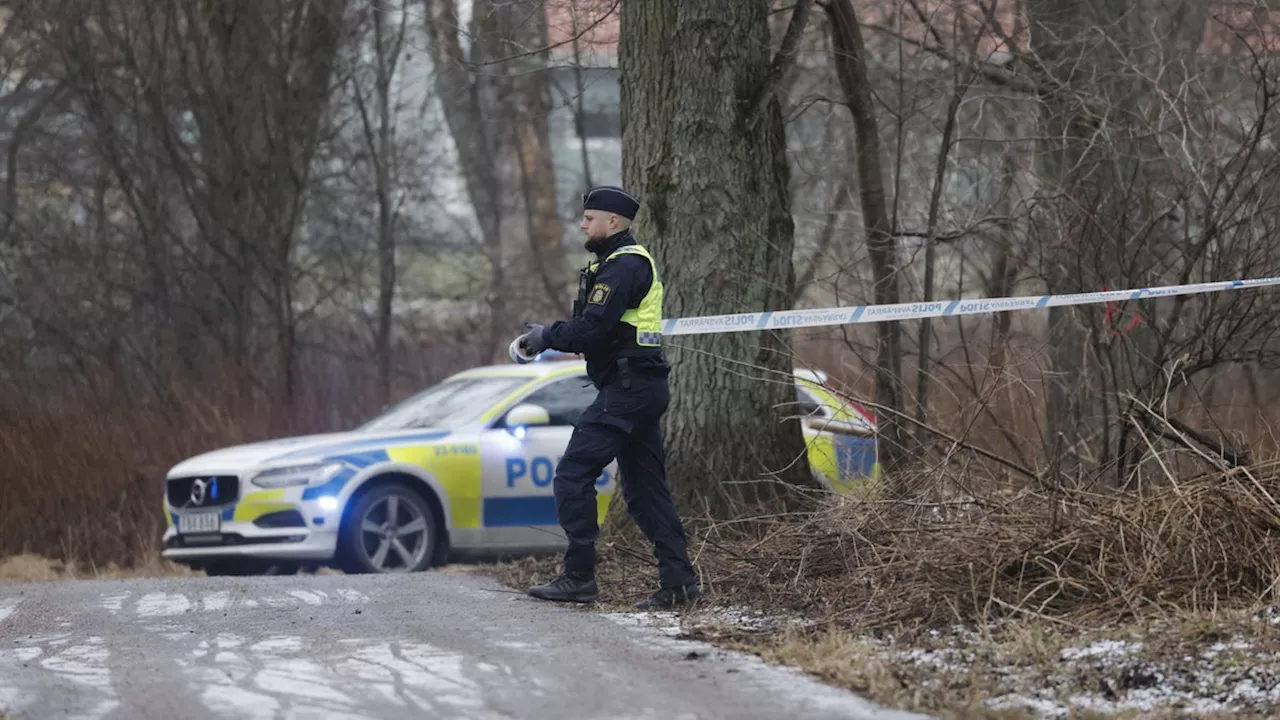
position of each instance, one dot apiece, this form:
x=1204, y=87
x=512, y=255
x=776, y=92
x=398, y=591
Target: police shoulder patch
x=599, y=293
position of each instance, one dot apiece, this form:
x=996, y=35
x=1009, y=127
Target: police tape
x=857, y=314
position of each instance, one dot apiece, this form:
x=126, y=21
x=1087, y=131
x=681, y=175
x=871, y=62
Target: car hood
x=240, y=459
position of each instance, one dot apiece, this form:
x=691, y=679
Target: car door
x=519, y=466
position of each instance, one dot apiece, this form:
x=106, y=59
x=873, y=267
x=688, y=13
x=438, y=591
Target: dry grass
x=847, y=661
x=28, y=568
x=82, y=461
x=1074, y=556
x=958, y=675
x=844, y=660
x=1024, y=576
x=86, y=485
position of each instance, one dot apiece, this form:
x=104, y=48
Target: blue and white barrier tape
x=856, y=314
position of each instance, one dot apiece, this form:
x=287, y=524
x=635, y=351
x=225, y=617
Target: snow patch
x=1226, y=676
x=1210, y=681
x=1102, y=649
x=662, y=630
x=352, y=595
x=85, y=664
x=215, y=600
x=115, y=602
x=7, y=608
x=160, y=604
x=308, y=597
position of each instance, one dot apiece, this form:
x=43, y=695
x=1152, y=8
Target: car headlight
x=314, y=474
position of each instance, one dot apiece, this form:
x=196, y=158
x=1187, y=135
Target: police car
x=464, y=465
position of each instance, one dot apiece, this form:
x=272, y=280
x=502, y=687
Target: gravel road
x=440, y=645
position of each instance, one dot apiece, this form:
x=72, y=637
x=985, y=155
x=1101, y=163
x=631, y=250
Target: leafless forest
x=227, y=220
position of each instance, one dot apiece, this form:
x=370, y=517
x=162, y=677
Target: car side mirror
x=524, y=415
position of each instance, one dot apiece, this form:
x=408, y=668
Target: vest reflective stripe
x=647, y=317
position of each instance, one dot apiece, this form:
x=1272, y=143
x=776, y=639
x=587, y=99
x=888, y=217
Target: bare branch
x=990, y=72
x=785, y=57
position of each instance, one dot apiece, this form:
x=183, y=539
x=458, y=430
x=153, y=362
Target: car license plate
x=200, y=523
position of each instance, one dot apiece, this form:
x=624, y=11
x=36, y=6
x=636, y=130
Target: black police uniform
x=622, y=423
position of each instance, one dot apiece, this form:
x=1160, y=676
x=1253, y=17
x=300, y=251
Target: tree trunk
x=1084, y=82
x=464, y=100
x=882, y=249
x=704, y=150
x=525, y=27
x=1006, y=263
x=931, y=251
x=379, y=137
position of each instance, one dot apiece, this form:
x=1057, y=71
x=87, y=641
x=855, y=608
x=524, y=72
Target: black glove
x=532, y=342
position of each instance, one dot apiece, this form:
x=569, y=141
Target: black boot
x=567, y=588
x=668, y=598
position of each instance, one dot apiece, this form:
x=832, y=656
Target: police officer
x=616, y=325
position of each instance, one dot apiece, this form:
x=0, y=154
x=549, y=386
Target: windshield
x=449, y=404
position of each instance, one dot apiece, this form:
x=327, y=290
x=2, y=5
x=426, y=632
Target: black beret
x=611, y=198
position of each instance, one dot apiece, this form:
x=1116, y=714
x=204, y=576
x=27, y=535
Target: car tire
x=415, y=526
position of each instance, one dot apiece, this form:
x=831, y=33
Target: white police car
x=465, y=465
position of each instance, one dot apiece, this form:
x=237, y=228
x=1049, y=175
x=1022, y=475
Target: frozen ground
x=1196, y=666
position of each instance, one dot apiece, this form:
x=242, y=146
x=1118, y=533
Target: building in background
x=586, y=103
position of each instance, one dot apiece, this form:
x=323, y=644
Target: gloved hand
x=516, y=351
x=531, y=342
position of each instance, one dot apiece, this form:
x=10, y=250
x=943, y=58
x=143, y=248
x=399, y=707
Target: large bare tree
x=525, y=54
x=703, y=148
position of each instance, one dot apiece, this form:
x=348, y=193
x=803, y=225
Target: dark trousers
x=622, y=423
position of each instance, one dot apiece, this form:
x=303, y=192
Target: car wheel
x=390, y=529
